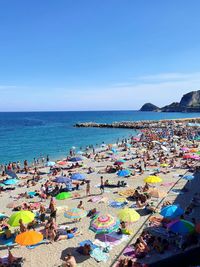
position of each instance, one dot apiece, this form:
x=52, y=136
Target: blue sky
x=97, y=54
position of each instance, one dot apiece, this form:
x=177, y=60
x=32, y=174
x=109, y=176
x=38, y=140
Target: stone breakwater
x=141, y=124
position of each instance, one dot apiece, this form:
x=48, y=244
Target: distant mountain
x=149, y=107
x=190, y=102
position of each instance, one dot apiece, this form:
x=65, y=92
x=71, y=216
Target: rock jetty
x=140, y=124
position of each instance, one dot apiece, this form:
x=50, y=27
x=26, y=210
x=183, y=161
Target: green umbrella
x=24, y=215
x=63, y=195
x=2, y=185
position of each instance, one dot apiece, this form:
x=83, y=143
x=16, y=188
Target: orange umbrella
x=29, y=238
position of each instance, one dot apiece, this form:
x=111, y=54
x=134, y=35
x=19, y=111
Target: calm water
x=30, y=134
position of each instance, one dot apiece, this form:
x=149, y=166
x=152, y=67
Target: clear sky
x=97, y=54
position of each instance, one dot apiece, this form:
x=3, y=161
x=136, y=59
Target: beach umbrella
x=153, y=179
x=11, y=174
x=50, y=164
x=114, y=150
x=24, y=215
x=187, y=156
x=188, y=177
x=62, y=180
x=78, y=177
x=63, y=195
x=128, y=145
x=157, y=193
x=104, y=224
x=193, y=150
x=76, y=159
x=2, y=185
x=128, y=215
x=75, y=213
x=164, y=165
x=123, y=173
x=172, y=211
x=182, y=227
x=11, y=181
x=29, y=238
x=2, y=216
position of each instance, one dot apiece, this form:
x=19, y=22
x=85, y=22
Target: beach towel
x=118, y=205
x=99, y=255
x=129, y=252
x=177, y=191
x=167, y=184
x=7, y=242
x=45, y=241
x=95, y=199
x=88, y=242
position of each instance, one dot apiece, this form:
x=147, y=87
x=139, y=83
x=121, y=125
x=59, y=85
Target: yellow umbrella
x=120, y=199
x=24, y=215
x=155, y=192
x=153, y=179
x=29, y=238
x=164, y=165
x=128, y=215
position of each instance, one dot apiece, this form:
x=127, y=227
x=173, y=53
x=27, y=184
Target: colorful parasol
x=75, y=213
x=104, y=224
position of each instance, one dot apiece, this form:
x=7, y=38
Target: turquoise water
x=25, y=135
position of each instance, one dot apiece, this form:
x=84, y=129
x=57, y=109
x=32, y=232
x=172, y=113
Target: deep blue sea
x=25, y=135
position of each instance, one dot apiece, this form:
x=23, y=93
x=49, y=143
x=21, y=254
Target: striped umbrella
x=75, y=213
x=104, y=224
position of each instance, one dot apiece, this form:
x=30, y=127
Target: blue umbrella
x=114, y=150
x=31, y=194
x=50, y=164
x=11, y=174
x=2, y=216
x=172, y=211
x=78, y=177
x=11, y=181
x=75, y=159
x=128, y=145
x=123, y=173
x=188, y=177
x=62, y=180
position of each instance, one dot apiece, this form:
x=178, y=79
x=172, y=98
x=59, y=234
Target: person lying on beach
x=70, y=233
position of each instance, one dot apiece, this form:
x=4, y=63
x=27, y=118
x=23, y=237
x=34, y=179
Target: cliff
x=190, y=102
x=149, y=107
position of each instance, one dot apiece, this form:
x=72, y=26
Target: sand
x=51, y=254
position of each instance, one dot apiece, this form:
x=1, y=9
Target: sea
x=29, y=135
